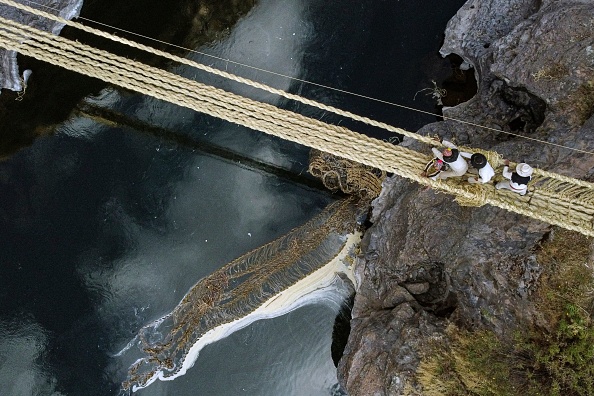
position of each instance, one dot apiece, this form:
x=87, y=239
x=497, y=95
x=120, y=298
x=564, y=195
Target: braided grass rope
x=238, y=289
x=494, y=158
x=555, y=199
x=220, y=73
x=347, y=176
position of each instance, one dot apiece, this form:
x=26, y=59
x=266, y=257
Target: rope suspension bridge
x=552, y=198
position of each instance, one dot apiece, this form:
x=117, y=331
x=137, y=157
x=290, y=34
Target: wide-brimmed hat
x=478, y=160
x=524, y=170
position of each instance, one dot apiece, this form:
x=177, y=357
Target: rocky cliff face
x=10, y=77
x=426, y=261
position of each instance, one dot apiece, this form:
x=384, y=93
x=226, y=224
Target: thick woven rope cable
x=555, y=208
x=265, y=87
x=220, y=73
x=494, y=158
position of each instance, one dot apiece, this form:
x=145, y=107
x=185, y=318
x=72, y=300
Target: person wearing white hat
x=482, y=166
x=453, y=158
x=518, y=180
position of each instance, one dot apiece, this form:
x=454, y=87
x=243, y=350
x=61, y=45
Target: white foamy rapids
x=309, y=290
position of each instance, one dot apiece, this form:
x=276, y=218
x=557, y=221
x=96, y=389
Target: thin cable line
x=518, y=135
x=558, y=194
x=322, y=85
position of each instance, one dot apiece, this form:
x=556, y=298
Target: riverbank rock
x=10, y=77
x=427, y=261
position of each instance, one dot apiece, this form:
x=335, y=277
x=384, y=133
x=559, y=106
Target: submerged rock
x=427, y=261
x=10, y=77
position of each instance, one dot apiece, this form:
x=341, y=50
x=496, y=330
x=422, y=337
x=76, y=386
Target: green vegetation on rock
x=555, y=357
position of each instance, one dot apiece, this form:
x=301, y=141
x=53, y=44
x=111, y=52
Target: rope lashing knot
x=347, y=176
x=477, y=196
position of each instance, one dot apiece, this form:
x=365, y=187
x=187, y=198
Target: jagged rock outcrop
x=10, y=77
x=426, y=260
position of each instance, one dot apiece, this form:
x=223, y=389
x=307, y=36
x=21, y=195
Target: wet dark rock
x=342, y=325
x=426, y=260
x=386, y=346
x=10, y=77
x=417, y=288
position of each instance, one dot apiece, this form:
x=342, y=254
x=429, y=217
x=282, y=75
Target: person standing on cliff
x=518, y=180
x=453, y=158
x=482, y=166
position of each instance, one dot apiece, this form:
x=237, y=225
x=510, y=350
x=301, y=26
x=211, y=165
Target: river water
x=105, y=226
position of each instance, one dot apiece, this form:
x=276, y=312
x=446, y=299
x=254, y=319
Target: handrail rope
x=267, y=88
x=494, y=159
x=334, y=139
x=305, y=122
x=51, y=36
x=220, y=73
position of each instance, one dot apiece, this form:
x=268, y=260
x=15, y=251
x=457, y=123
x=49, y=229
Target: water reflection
x=274, y=37
x=23, y=367
x=299, y=264
x=105, y=227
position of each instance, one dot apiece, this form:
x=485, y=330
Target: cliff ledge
x=428, y=265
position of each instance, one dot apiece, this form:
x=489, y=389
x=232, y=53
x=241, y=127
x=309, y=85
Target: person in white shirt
x=484, y=168
x=457, y=165
x=518, y=180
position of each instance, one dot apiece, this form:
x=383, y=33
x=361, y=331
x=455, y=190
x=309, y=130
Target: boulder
x=427, y=261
